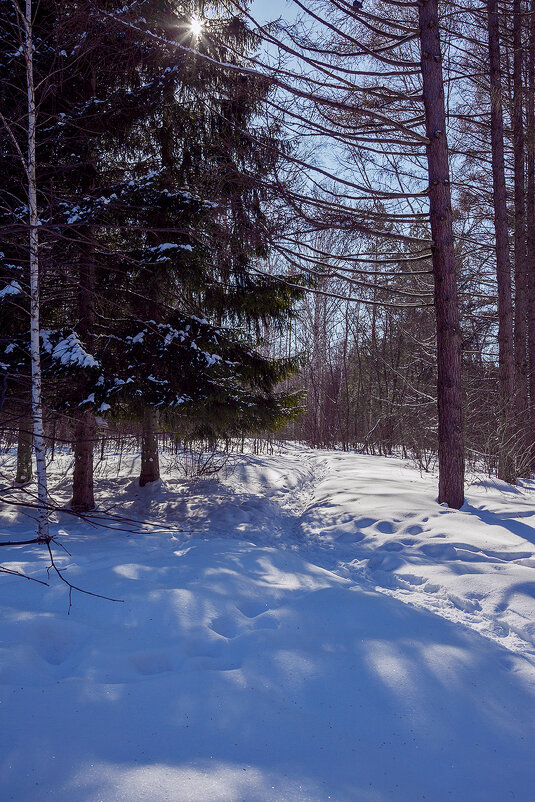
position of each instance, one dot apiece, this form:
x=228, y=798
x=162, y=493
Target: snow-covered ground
x=323, y=630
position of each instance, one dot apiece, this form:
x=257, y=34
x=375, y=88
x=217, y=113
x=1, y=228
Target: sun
x=195, y=26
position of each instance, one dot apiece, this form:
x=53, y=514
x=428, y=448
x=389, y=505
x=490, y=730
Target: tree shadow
x=317, y=689
x=505, y=520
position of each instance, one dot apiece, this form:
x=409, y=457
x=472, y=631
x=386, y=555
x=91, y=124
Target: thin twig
x=70, y=585
x=21, y=542
x=24, y=576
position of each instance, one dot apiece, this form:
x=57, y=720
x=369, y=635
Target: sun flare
x=195, y=27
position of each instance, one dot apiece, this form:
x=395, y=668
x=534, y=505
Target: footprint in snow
x=203, y=663
x=508, y=663
x=415, y=529
x=225, y=626
x=266, y=621
x=149, y=663
x=251, y=608
x=364, y=523
x=393, y=545
x=53, y=641
x=466, y=605
x=439, y=551
x=386, y=527
x=411, y=579
x=385, y=561
x=500, y=630
x=350, y=537
x=229, y=628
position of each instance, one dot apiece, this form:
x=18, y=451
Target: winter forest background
x=267, y=277
x=192, y=180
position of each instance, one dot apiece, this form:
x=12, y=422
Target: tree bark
x=521, y=288
x=150, y=462
x=24, y=450
x=506, y=460
x=449, y=389
x=530, y=226
x=83, y=498
x=35, y=350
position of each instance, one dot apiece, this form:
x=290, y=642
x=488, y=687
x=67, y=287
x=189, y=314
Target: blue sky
x=265, y=10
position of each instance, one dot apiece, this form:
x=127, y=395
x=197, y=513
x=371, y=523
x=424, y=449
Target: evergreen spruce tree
x=153, y=173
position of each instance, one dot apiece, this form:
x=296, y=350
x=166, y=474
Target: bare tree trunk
x=521, y=289
x=449, y=390
x=83, y=498
x=31, y=166
x=150, y=461
x=24, y=451
x=506, y=461
x=530, y=226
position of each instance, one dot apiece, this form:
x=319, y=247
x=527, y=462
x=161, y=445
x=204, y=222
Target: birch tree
x=22, y=29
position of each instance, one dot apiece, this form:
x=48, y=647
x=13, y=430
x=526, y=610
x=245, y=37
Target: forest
x=267, y=400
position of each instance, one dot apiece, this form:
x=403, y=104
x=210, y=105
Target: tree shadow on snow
x=351, y=695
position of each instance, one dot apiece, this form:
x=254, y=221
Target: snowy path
x=376, y=522
x=254, y=660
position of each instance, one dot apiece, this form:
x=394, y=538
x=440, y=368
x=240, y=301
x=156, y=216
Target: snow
x=75, y=215
x=211, y=359
x=322, y=629
x=70, y=351
x=165, y=246
x=168, y=246
x=13, y=288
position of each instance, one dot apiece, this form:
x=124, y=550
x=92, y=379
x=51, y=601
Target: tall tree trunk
x=530, y=226
x=449, y=389
x=83, y=498
x=35, y=351
x=521, y=288
x=150, y=462
x=24, y=450
x=506, y=461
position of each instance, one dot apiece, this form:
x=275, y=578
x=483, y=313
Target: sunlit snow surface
x=323, y=631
